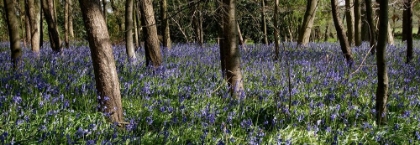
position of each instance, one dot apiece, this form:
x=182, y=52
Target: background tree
x=166, y=37
x=341, y=35
x=14, y=36
x=153, y=52
x=276, y=30
x=350, y=20
x=232, y=55
x=263, y=22
x=308, y=20
x=371, y=24
x=408, y=28
x=382, y=89
x=357, y=23
x=34, y=7
x=51, y=17
x=66, y=23
x=106, y=77
x=129, y=43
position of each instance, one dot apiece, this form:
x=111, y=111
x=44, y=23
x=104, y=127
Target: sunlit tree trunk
x=153, y=52
x=382, y=89
x=165, y=25
x=34, y=7
x=308, y=21
x=27, y=24
x=390, y=35
x=136, y=33
x=70, y=19
x=350, y=21
x=129, y=44
x=357, y=23
x=107, y=83
x=276, y=30
x=50, y=16
x=408, y=29
x=371, y=26
x=231, y=50
x=13, y=27
x=263, y=21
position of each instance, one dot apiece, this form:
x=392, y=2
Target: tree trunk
x=350, y=21
x=341, y=35
x=129, y=44
x=390, y=35
x=35, y=21
x=382, y=89
x=71, y=30
x=165, y=25
x=326, y=33
x=308, y=21
x=276, y=30
x=41, y=25
x=220, y=38
x=14, y=37
x=139, y=27
x=27, y=24
x=107, y=83
x=136, y=32
x=231, y=50
x=150, y=34
x=264, y=24
x=53, y=33
x=197, y=23
x=241, y=39
x=408, y=27
x=357, y=23
x=371, y=24
x=66, y=23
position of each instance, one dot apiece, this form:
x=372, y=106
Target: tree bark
x=350, y=21
x=276, y=30
x=165, y=25
x=341, y=35
x=129, y=44
x=107, y=83
x=197, y=23
x=231, y=50
x=136, y=32
x=35, y=20
x=390, y=35
x=220, y=38
x=66, y=23
x=27, y=23
x=71, y=30
x=13, y=27
x=104, y=10
x=382, y=89
x=308, y=21
x=153, y=52
x=371, y=24
x=264, y=24
x=408, y=29
x=50, y=16
x=357, y=23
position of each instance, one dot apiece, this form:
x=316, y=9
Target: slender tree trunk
x=153, y=51
x=357, y=23
x=41, y=24
x=241, y=39
x=66, y=23
x=136, y=32
x=276, y=30
x=34, y=7
x=390, y=35
x=220, y=38
x=197, y=23
x=326, y=33
x=382, y=89
x=408, y=27
x=350, y=21
x=264, y=24
x=139, y=25
x=70, y=19
x=27, y=23
x=341, y=35
x=308, y=21
x=231, y=49
x=165, y=25
x=54, y=35
x=371, y=24
x=14, y=37
x=107, y=83
x=129, y=44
